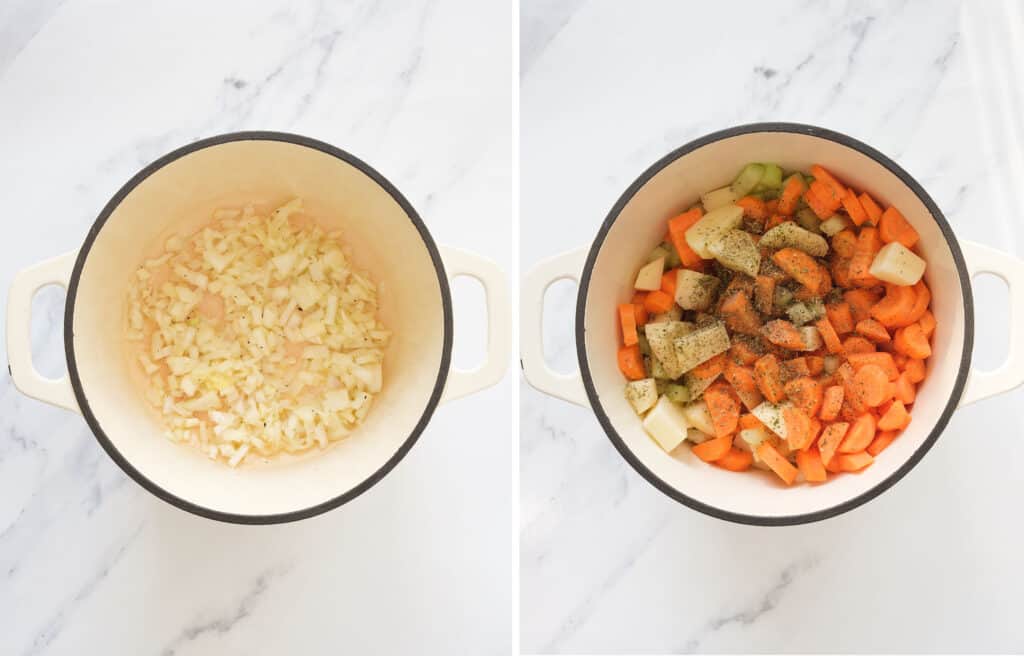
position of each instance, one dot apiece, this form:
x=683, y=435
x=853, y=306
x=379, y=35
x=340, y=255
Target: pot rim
x=72, y=292
x=965, y=358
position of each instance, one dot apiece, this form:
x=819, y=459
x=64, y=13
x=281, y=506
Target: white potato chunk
x=897, y=264
x=697, y=436
x=700, y=345
x=811, y=337
x=649, y=278
x=661, y=337
x=710, y=226
x=694, y=290
x=834, y=225
x=666, y=423
x=790, y=235
x=736, y=250
x=716, y=198
x=642, y=394
x=698, y=415
x=770, y=414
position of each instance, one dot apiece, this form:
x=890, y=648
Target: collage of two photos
x=532, y=327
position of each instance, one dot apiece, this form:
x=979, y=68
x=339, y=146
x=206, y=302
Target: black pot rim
x=965, y=358
x=83, y=401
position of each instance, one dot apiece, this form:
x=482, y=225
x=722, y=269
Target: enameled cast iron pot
x=176, y=194
x=637, y=222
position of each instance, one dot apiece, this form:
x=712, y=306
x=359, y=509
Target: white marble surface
x=425, y=562
x=609, y=564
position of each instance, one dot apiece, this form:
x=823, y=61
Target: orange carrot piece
x=860, y=270
x=677, y=227
x=713, y=449
x=927, y=322
x=753, y=208
x=815, y=365
x=627, y=319
x=857, y=344
x=904, y=390
x=830, y=439
x=710, y=368
x=783, y=333
x=894, y=227
x=809, y=463
x=828, y=335
x=897, y=417
x=840, y=315
x=896, y=306
x=854, y=462
x=871, y=385
x=879, y=359
x=860, y=434
x=739, y=313
x=639, y=310
x=853, y=207
x=831, y=402
x=798, y=428
x=768, y=374
x=658, y=302
x=801, y=267
x=724, y=407
x=764, y=293
x=911, y=342
x=882, y=439
x=736, y=460
x=820, y=173
x=822, y=199
x=806, y=394
x=795, y=368
x=914, y=370
x=740, y=377
x=668, y=282
x=772, y=206
x=778, y=464
x=844, y=243
x=775, y=220
x=873, y=330
x=631, y=362
x=748, y=421
x=868, y=241
x=742, y=352
x=922, y=297
x=859, y=302
x=872, y=209
x=791, y=193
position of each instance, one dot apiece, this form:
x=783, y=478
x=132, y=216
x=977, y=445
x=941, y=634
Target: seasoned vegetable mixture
x=782, y=324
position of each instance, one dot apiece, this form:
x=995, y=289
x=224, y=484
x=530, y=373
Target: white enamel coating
x=568, y=387
x=179, y=197
x=641, y=223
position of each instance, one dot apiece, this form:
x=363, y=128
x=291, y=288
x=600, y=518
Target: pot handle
x=568, y=387
x=983, y=384
x=499, y=319
x=56, y=270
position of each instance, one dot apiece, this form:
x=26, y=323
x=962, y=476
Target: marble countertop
x=90, y=562
x=609, y=564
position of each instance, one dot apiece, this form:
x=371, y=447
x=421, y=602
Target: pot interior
x=179, y=197
x=640, y=225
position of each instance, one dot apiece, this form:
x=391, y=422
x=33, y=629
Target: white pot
x=637, y=222
x=177, y=193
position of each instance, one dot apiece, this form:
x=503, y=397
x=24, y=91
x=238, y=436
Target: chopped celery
x=677, y=393
x=771, y=179
x=748, y=178
x=659, y=251
x=672, y=258
x=645, y=346
x=716, y=198
x=808, y=220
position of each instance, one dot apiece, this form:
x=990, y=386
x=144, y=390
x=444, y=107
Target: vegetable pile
x=782, y=324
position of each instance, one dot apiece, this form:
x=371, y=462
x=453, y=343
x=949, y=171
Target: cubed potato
x=673, y=314
x=661, y=337
x=736, y=250
x=642, y=394
x=812, y=338
x=649, y=277
x=835, y=224
x=712, y=224
x=770, y=414
x=700, y=345
x=666, y=423
x=697, y=436
x=790, y=235
x=897, y=264
x=694, y=290
x=712, y=200
x=698, y=416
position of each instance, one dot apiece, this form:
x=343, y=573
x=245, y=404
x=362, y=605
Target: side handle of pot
x=56, y=270
x=983, y=384
x=499, y=319
x=535, y=367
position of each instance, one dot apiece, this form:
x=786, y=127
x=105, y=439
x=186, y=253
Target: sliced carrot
x=871, y=208
x=860, y=434
x=748, y=421
x=639, y=310
x=742, y=352
x=795, y=368
x=778, y=464
x=713, y=449
x=844, y=243
x=739, y=313
x=783, y=333
x=736, y=460
x=914, y=370
x=658, y=301
x=894, y=227
x=868, y=241
x=815, y=365
x=631, y=362
x=768, y=374
x=854, y=462
x=927, y=322
x=806, y=394
x=724, y=407
x=883, y=360
x=775, y=220
x=841, y=271
x=859, y=302
x=860, y=270
x=831, y=402
x=904, y=390
x=627, y=319
x=911, y=342
x=801, y=267
x=809, y=463
x=798, y=427
x=822, y=200
x=897, y=418
x=791, y=192
x=740, y=377
x=873, y=330
x=764, y=294
x=896, y=306
x=857, y=344
x=830, y=439
x=821, y=174
x=753, y=208
x=668, y=282
x=922, y=297
x=710, y=368
x=677, y=227
x=882, y=439
x=772, y=205
x=840, y=316
x=871, y=385
x=853, y=207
